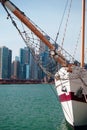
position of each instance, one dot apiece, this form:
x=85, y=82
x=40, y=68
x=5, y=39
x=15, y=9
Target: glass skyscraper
x=24, y=62
x=5, y=63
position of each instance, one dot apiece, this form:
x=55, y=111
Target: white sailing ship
x=71, y=85
x=71, y=79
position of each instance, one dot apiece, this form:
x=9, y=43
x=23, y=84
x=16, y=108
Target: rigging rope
x=67, y=20
x=13, y=22
x=77, y=44
x=30, y=43
x=33, y=43
x=61, y=22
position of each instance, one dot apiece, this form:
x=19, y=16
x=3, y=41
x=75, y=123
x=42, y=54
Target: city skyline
x=24, y=66
x=21, y=68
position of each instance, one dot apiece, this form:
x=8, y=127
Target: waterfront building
x=27, y=71
x=47, y=62
x=24, y=62
x=9, y=63
x=44, y=60
x=43, y=47
x=16, y=58
x=0, y=63
x=44, y=57
x=33, y=66
x=24, y=55
x=5, y=62
x=28, y=65
x=15, y=70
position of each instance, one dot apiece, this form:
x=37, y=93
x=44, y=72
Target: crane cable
x=61, y=22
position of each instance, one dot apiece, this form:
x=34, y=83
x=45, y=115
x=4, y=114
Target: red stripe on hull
x=71, y=96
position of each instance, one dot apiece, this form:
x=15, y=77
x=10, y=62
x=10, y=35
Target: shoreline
x=17, y=81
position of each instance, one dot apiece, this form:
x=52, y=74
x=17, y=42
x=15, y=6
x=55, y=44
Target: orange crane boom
x=22, y=17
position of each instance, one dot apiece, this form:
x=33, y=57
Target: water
x=30, y=107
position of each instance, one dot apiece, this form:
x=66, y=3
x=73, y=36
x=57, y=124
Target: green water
x=30, y=107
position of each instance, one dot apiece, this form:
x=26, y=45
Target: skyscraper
x=24, y=55
x=5, y=63
x=33, y=66
x=44, y=56
x=43, y=47
x=24, y=62
x=0, y=63
x=28, y=66
x=15, y=69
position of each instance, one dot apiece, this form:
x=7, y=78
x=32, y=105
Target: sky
x=47, y=15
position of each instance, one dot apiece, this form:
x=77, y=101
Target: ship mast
x=83, y=33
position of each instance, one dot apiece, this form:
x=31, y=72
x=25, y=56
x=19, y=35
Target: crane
x=23, y=18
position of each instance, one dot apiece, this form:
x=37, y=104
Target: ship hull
x=72, y=91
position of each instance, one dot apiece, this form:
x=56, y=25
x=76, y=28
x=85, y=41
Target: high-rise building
x=33, y=66
x=27, y=71
x=9, y=63
x=24, y=62
x=44, y=57
x=16, y=58
x=24, y=56
x=28, y=65
x=5, y=63
x=15, y=70
x=44, y=47
x=0, y=63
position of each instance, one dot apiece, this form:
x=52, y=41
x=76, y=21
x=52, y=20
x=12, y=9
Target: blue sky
x=47, y=15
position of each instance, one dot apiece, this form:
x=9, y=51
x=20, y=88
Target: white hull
x=72, y=92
